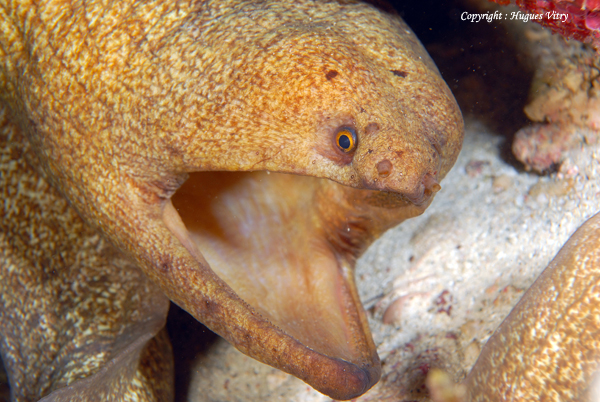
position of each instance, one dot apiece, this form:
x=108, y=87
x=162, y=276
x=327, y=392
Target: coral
x=565, y=105
x=564, y=95
x=583, y=21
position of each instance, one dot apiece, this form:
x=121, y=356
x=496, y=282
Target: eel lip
x=286, y=293
x=353, y=380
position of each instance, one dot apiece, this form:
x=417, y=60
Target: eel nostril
x=384, y=168
x=431, y=184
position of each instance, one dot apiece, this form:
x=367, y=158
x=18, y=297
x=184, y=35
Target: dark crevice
x=4, y=388
x=488, y=75
x=190, y=340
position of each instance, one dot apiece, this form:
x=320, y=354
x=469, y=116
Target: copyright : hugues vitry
x=515, y=15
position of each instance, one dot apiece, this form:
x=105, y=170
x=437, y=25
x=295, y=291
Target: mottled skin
x=547, y=349
x=550, y=343
x=119, y=101
x=71, y=306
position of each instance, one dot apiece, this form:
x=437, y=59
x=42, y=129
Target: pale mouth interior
x=261, y=233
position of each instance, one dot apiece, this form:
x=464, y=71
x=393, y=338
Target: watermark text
x=515, y=15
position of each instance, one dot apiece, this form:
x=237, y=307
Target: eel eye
x=345, y=139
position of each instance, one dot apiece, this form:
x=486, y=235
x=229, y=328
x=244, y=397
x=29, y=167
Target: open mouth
x=287, y=246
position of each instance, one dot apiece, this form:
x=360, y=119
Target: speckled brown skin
x=120, y=100
x=73, y=310
x=548, y=348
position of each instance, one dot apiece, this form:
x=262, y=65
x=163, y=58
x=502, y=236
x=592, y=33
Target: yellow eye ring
x=345, y=139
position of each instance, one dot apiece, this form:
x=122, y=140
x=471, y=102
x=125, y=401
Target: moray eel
x=548, y=346
x=561, y=308
x=306, y=129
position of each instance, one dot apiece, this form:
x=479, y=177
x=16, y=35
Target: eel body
x=112, y=105
x=547, y=348
x=79, y=321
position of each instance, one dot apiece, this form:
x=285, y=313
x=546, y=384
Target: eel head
x=121, y=107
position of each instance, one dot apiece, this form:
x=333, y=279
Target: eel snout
x=411, y=170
